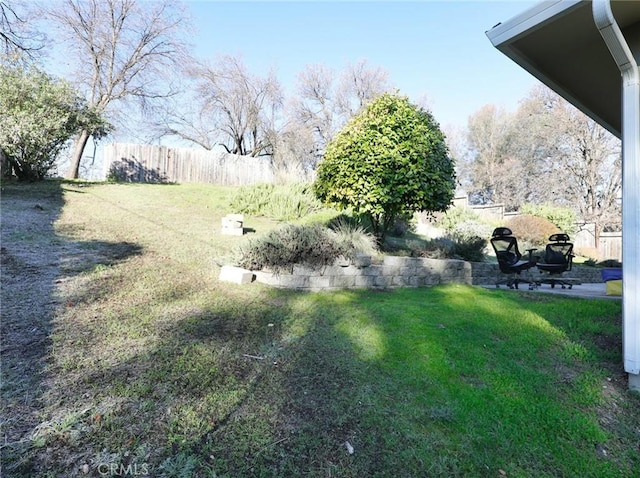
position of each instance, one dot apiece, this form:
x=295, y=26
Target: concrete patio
x=588, y=290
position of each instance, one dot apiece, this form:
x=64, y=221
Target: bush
x=455, y=216
x=352, y=238
x=439, y=248
x=470, y=248
x=282, y=203
x=610, y=263
x=471, y=229
x=532, y=230
x=562, y=217
x=466, y=249
x=389, y=159
x=39, y=114
x=313, y=246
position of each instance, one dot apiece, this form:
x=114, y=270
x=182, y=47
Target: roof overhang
x=558, y=42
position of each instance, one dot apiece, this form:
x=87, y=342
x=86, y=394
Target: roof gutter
x=628, y=66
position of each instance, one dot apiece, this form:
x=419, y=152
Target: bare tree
x=358, y=85
x=494, y=171
x=232, y=108
x=456, y=139
x=186, y=116
x=245, y=113
x=326, y=100
x=293, y=156
x=315, y=106
x=16, y=34
x=583, y=156
x=547, y=152
x=124, y=50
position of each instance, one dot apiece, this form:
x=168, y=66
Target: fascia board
x=531, y=19
x=505, y=36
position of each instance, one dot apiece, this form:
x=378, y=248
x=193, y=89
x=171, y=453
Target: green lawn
x=153, y=366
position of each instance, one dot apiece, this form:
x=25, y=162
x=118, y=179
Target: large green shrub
x=39, y=114
x=563, y=217
x=390, y=159
x=532, y=230
x=281, y=202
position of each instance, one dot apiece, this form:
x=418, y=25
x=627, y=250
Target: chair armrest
x=570, y=261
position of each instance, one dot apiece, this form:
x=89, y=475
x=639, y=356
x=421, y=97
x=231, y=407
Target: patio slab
x=588, y=290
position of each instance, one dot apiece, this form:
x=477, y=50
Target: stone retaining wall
x=392, y=272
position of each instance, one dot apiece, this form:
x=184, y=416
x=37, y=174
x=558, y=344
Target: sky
x=433, y=49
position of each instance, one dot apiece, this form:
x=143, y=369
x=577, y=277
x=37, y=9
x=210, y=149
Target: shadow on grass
x=425, y=383
x=28, y=212
x=34, y=260
x=449, y=381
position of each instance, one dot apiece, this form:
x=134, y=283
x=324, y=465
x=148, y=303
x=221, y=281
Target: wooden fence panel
x=610, y=246
x=156, y=164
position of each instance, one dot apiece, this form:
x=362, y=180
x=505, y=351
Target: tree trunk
x=78, y=150
x=596, y=235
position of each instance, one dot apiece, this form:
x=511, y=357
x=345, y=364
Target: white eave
x=557, y=42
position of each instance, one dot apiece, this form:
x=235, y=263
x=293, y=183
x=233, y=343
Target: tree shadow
x=34, y=260
x=127, y=170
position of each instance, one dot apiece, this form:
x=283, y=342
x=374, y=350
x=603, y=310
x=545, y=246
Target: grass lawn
x=143, y=364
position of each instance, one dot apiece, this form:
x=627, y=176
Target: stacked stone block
x=232, y=225
x=392, y=272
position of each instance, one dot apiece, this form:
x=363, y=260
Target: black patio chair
x=510, y=261
x=557, y=259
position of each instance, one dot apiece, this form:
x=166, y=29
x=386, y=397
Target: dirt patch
x=29, y=259
x=36, y=265
x=39, y=267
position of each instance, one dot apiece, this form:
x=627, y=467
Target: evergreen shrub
x=462, y=248
x=281, y=249
x=281, y=203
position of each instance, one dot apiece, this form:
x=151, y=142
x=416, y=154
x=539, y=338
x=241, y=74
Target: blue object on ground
x=611, y=274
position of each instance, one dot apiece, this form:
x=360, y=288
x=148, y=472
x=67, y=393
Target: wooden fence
x=609, y=244
x=155, y=164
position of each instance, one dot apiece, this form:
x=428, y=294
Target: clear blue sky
x=436, y=49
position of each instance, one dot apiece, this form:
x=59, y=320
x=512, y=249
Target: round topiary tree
x=390, y=159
